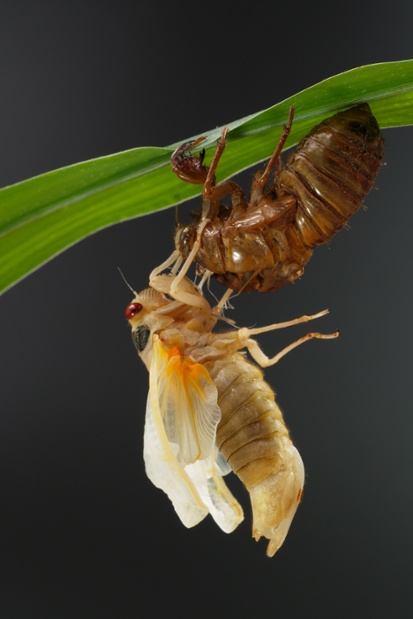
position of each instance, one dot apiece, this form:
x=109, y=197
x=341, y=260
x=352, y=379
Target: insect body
x=209, y=410
x=265, y=242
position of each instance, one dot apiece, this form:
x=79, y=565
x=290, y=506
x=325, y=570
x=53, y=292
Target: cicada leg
x=222, y=304
x=164, y=283
x=212, y=193
x=209, y=184
x=275, y=161
x=174, y=259
x=187, y=264
x=244, y=335
x=189, y=168
x=174, y=283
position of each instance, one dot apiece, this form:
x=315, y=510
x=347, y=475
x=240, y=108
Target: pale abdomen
x=254, y=440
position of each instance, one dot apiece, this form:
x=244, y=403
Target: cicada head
x=144, y=303
x=144, y=319
x=152, y=311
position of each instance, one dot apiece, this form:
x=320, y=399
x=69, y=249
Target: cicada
x=264, y=242
x=209, y=411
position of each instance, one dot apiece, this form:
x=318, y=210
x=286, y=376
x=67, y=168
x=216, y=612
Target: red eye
x=132, y=309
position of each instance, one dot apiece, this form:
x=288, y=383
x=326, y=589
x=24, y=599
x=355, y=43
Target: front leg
x=176, y=285
x=189, y=168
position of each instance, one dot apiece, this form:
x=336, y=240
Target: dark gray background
x=83, y=532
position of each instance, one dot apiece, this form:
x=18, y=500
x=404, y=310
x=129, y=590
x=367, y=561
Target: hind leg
x=244, y=335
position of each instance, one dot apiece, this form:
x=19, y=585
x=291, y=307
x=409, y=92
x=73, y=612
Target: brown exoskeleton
x=210, y=411
x=264, y=242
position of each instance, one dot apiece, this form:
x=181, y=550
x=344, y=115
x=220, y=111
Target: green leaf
x=42, y=216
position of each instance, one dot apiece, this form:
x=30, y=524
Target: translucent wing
x=223, y=507
x=187, y=400
x=166, y=473
x=183, y=393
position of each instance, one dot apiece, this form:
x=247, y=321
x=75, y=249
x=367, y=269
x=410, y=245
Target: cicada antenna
x=126, y=282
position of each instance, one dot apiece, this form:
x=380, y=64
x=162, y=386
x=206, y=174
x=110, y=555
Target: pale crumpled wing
x=166, y=473
x=187, y=400
x=195, y=489
x=222, y=505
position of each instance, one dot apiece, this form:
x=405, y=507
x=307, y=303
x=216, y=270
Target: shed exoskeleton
x=264, y=242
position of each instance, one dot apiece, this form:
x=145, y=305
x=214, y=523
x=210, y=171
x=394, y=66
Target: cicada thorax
x=265, y=242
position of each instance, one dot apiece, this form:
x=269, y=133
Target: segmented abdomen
x=254, y=440
x=251, y=425
x=332, y=171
